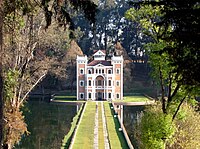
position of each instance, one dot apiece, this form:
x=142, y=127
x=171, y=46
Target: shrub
x=154, y=129
x=187, y=135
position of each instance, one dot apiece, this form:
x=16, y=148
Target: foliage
x=14, y=125
x=173, y=85
x=127, y=65
x=154, y=129
x=70, y=60
x=26, y=60
x=60, y=10
x=179, y=23
x=187, y=134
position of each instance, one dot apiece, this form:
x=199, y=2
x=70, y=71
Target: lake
x=48, y=123
x=130, y=114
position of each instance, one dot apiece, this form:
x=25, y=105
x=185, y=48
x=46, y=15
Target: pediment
x=99, y=65
x=99, y=53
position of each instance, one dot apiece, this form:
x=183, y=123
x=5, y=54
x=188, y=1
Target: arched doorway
x=99, y=96
x=99, y=85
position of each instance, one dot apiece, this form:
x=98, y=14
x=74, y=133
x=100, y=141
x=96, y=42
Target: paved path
x=96, y=128
x=105, y=132
x=92, y=130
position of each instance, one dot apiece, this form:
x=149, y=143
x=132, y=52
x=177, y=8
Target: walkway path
x=100, y=129
x=97, y=128
x=105, y=132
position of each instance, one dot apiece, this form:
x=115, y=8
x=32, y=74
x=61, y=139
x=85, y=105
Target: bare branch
x=178, y=108
x=41, y=77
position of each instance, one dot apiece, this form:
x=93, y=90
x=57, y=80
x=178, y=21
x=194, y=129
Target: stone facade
x=99, y=79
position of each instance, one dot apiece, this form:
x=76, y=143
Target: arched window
x=81, y=95
x=109, y=95
x=109, y=71
x=81, y=83
x=99, y=82
x=89, y=83
x=117, y=95
x=118, y=71
x=81, y=71
x=118, y=83
x=89, y=71
x=109, y=82
x=89, y=95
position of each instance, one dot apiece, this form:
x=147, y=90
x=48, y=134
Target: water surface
x=130, y=114
x=47, y=123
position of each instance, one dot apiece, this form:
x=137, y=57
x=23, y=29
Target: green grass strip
x=134, y=99
x=69, y=101
x=116, y=137
x=67, y=139
x=101, y=144
x=69, y=97
x=85, y=133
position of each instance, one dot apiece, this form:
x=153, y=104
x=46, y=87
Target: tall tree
x=1, y=72
x=70, y=60
x=128, y=66
x=110, y=27
x=25, y=64
x=180, y=20
x=171, y=80
x=175, y=87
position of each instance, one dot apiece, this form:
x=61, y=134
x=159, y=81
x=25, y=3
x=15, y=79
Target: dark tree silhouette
x=183, y=17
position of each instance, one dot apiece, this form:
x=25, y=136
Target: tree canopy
x=180, y=23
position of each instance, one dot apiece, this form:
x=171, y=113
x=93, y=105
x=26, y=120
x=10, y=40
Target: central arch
x=100, y=88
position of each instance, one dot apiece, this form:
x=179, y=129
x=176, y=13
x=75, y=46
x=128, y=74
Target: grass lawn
x=85, y=134
x=116, y=137
x=64, y=97
x=68, y=98
x=133, y=99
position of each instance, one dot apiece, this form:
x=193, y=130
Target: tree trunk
x=1, y=73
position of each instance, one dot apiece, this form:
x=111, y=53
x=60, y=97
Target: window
x=103, y=71
x=99, y=70
x=109, y=82
x=81, y=83
x=89, y=71
x=109, y=71
x=89, y=83
x=99, y=82
x=118, y=71
x=109, y=95
x=81, y=71
x=89, y=95
x=81, y=95
x=96, y=71
x=117, y=95
x=118, y=83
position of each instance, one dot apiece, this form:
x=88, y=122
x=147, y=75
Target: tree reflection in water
x=130, y=114
x=47, y=124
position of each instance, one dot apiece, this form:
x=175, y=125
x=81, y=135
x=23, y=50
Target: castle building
x=99, y=79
